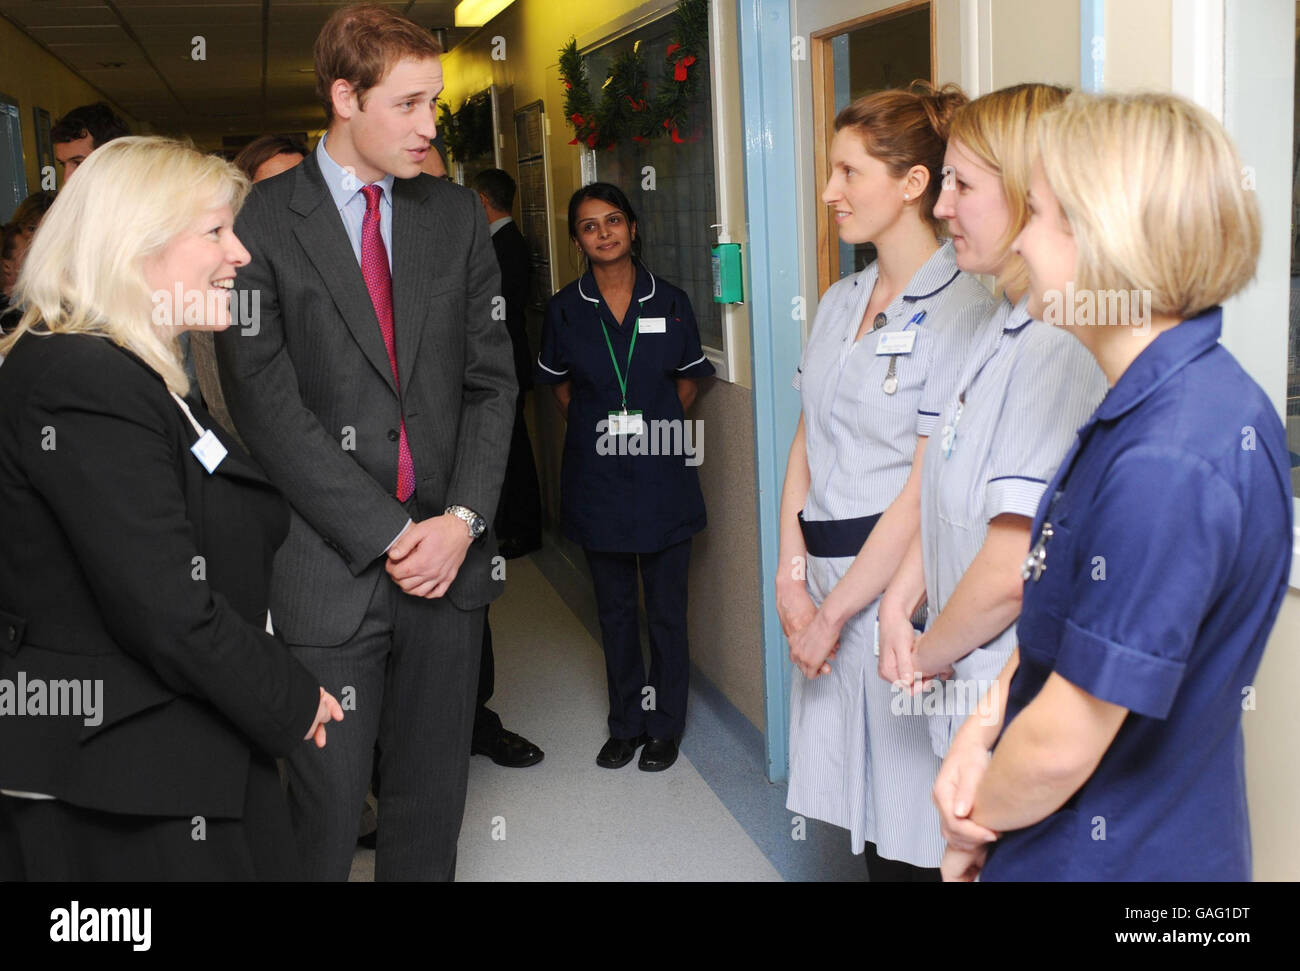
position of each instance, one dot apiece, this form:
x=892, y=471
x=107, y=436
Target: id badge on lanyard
x=626, y=423
x=208, y=449
x=622, y=421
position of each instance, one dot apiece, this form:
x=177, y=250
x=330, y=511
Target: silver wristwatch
x=476, y=523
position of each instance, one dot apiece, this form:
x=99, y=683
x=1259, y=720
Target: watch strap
x=470, y=518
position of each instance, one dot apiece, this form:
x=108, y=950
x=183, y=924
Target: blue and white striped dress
x=1028, y=389
x=852, y=762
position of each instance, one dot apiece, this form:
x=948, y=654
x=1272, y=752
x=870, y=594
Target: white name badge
x=653, y=325
x=897, y=342
x=209, y=451
x=626, y=424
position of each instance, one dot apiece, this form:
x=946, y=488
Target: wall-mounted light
x=476, y=13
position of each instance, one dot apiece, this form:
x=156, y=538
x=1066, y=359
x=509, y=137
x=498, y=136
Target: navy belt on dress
x=829, y=538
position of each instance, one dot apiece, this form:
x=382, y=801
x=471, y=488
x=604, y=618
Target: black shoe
x=658, y=754
x=618, y=752
x=508, y=749
x=514, y=548
x=367, y=825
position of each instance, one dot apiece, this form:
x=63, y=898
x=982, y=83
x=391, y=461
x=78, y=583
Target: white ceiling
x=257, y=76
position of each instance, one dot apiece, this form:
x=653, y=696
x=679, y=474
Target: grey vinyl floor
x=566, y=818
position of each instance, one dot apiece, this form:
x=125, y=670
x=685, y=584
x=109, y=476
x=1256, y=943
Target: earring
x=906, y=197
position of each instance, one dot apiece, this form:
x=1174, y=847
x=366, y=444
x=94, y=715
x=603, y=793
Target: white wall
x=1236, y=59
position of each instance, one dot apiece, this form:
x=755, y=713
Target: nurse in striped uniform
x=868, y=362
x=1019, y=402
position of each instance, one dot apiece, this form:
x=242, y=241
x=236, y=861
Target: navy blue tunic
x=1166, y=568
x=611, y=499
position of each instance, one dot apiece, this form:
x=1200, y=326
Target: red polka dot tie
x=374, y=269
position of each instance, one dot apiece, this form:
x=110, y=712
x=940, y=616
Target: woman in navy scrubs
x=622, y=350
x=1162, y=547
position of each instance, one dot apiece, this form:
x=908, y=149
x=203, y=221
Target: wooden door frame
x=828, y=270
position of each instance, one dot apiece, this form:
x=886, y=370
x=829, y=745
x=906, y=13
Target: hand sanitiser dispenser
x=728, y=281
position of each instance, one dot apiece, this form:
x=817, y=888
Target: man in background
x=435, y=163
x=81, y=131
x=269, y=155
x=519, y=516
x=518, y=520
x=17, y=237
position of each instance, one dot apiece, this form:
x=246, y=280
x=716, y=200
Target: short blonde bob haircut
x=999, y=129
x=1154, y=192
x=85, y=270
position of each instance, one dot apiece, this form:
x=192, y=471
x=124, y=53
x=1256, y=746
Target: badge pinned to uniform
x=626, y=423
x=896, y=342
x=1036, y=562
x=653, y=325
x=950, y=431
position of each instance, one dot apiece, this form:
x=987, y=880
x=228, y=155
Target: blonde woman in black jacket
x=138, y=543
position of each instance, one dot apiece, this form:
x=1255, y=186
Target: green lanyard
x=622, y=377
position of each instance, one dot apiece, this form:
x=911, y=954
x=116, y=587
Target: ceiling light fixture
x=476, y=13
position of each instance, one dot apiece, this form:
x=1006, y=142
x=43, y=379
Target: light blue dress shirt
x=345, y=188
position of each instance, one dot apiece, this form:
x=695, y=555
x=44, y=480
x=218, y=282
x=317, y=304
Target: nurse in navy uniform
x=1162, y=547
x=622, y=350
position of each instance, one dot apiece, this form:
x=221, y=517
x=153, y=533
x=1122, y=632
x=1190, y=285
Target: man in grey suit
x=378, y=393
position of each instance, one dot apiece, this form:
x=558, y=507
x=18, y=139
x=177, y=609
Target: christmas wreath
x=627, y=108
x=467, y=133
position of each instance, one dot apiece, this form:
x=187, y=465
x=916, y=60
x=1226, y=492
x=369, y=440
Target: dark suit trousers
x=409, y=673
x=664, y=575
x=487, y=723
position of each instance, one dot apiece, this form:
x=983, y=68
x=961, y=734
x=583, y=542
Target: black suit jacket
x=124, y=561
x=513, y=258
x=313, y=395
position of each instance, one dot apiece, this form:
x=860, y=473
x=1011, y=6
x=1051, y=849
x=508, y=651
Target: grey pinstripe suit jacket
x=310, y=388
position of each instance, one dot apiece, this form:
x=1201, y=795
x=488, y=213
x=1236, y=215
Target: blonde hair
x=84, y=272
x=1152, y=187
x=998, y=129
